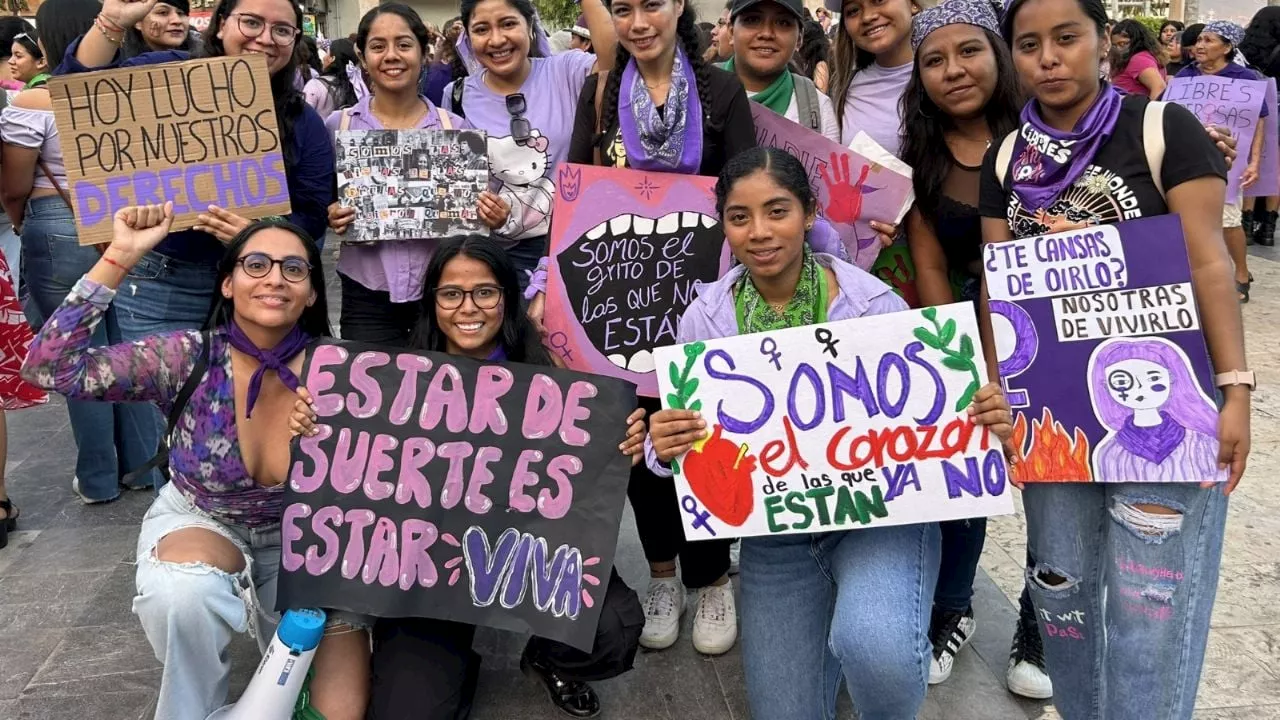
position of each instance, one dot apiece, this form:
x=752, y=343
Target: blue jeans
x=1123, y=595
x=111, y=438
x=853, y=604
x=190, y=611
x=162, y=295
x=962, y=542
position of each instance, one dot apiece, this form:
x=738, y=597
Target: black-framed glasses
x=251, y=26
x=521, y=130
x=485, y=297
x=258, y=265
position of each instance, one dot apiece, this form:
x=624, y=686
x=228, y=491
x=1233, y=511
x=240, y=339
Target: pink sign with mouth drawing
x=628, y=251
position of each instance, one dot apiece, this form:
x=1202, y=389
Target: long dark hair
x=518, y=337
x=410, y=17
x=1261, y=39
x=134, y=44
x=780, y=165
x=60, y=22
x=342, y=54
x=1140, y=38
x=289, y=102
x=814, y=48
x=924, y=126
x=10, y=28
x=687, y=36
x=1093, y=9
x=1177, y=26
x=524, y=7
x=849, y=61
x=314, y=319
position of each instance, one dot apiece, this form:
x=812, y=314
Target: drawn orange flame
x=1052, y=455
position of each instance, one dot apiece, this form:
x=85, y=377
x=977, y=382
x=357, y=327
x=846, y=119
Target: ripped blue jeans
x=191, y=611
x=1124, y=595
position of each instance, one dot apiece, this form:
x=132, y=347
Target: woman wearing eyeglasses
x=523, y=97
x=382, y=282
x=170, y=288
x=425, y=668
x=209, y=549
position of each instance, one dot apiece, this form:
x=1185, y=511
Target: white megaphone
x=274, y=689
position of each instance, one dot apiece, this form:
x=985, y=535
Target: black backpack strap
x=161, y=458
x=457, y=97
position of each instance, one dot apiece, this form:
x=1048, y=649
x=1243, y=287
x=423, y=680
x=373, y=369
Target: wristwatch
x=1235, y=377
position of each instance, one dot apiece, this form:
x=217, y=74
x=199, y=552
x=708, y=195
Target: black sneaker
x=949, y=632
x=1026, y=675
x=573, y=697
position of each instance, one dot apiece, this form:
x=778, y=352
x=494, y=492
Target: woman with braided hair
x=663, y=109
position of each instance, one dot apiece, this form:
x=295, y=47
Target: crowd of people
x=173, y=339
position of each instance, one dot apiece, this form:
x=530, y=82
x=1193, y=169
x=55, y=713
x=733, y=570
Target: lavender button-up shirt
x=398, y=267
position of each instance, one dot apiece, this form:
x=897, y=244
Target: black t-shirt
x=729, y=131
x=1117, y=186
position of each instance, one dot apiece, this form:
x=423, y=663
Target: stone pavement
x=71, y=648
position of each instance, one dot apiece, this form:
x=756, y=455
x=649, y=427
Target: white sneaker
x=1026, y=675
x=950, y=633
x=735, y=551
x=715, y=627
x=663, y=606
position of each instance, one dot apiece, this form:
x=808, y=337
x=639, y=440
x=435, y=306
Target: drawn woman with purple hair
x=1161, y=427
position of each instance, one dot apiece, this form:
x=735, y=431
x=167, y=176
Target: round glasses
x=258, y=265
x=251, y=26
x=485, y=297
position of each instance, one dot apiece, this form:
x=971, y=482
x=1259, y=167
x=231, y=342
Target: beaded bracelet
x=102, y=28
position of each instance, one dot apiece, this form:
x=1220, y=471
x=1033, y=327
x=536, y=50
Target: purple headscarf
x=953, y=12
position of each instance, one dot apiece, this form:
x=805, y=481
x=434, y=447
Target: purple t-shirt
x=398, y=267
x=524, y=175
x=872, y=103
x=1233, y=71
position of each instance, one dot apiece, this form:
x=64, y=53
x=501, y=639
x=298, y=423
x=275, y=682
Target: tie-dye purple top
x=204, y=459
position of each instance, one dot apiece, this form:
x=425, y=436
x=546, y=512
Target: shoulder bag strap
x=1153, y=141
x=1004, y=156
x=198, y=370
x=602, y=79
x=345, y=121
x=445, y=122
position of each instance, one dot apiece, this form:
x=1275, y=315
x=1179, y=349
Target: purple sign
x=852, y=190
x=1103, y=361
x=629, y=250
x=1236, y=105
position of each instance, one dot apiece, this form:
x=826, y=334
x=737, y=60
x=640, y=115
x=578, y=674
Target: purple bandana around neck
x=666, y=142
x=1047, y=161
x=1152, y=444
x=498, y=354
x=277, y=358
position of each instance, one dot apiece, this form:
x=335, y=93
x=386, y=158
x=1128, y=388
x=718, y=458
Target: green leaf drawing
x=696, y=405
x=675, y=374
x=690, y=388
x=958, y=359
x=674, y=400
x=684, y=385
x=928, y=338
x=675, y=466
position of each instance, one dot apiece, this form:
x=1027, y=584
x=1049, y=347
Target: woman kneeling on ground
x=209, y=549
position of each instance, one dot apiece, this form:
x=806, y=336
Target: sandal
x=1243, y=289
x=9, y=523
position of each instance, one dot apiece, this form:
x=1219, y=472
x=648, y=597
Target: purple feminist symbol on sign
x=1026, y=341
x=1145, y=394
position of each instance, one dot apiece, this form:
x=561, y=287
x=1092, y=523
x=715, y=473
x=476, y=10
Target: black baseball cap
x=740, y=6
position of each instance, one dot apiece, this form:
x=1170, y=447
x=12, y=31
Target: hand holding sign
x=138, y=230
x=340, y=217
x=222, y=224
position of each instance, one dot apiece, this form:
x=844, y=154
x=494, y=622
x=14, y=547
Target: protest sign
x=839, y=426
x=1236, y=105
x=412, y=184
x=1103, y=360
x=628, y=251
x=851, y=189
x=441, y=487
x=199, y=133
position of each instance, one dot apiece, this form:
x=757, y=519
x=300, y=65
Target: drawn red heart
x=721, y=479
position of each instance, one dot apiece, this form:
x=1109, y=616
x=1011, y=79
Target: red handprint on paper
x=844, y=198
x=900, y=276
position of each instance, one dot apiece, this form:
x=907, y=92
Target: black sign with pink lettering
x=442, y=487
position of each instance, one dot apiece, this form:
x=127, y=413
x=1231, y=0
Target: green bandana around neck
x=807, y=306
x=776, y=97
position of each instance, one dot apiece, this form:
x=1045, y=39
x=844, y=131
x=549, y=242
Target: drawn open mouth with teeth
x=630, y=278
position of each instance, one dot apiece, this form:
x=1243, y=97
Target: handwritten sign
x=412, y=184
x=851, y=189
x=840, y=426
x=629, y=250
x=198, y=133
x=1102, y=356
x=445, y=488
x=1236, y=105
